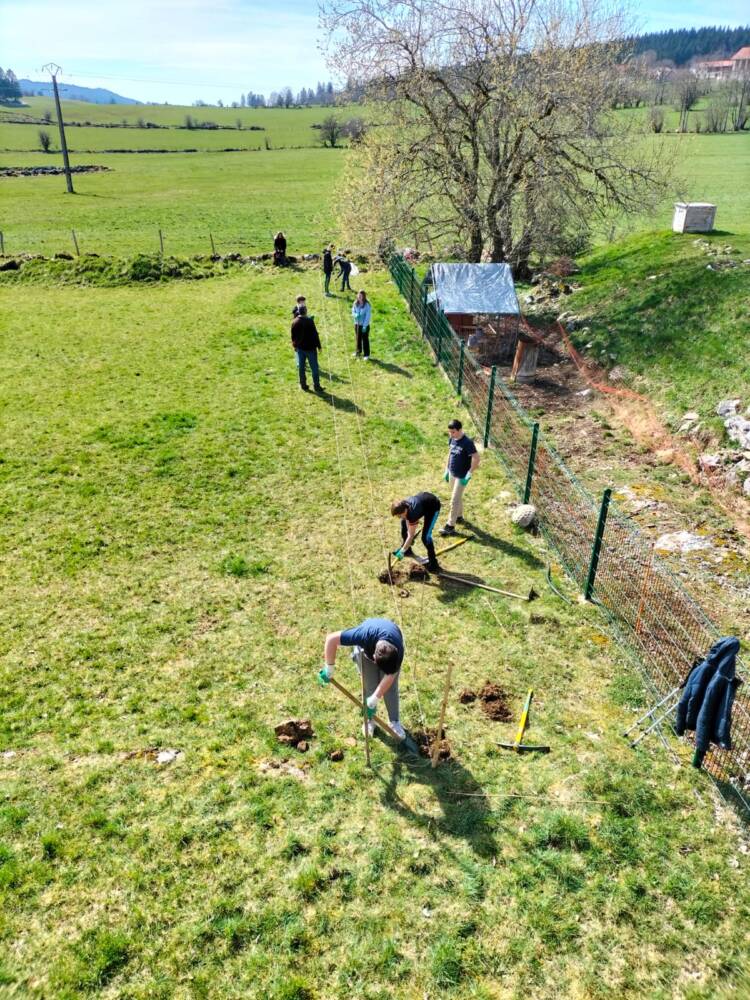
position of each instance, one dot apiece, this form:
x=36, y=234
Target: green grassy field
x=181, y=527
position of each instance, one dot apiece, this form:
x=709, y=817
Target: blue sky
x=183, y=50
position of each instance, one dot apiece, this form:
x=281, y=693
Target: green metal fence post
x=597, y=546
x=438, y=349
x=411, y=289
x=490, y=397
x=460, y=383
x=532, y=459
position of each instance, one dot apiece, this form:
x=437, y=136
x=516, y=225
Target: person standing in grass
x=463, y=460
x=327, y=269
x=421, y=507
x=299, y=301
x=279, y=249
x=362, y=313
x=345, y=269
x=306, y=343
x=378, y=652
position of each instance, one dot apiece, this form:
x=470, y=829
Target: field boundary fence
x=656, y=621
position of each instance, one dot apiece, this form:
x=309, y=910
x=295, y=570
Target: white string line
x=373, y=511
x=341, y=492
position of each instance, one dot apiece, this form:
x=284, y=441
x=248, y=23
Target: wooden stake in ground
x=364, y=715
x=439, y=734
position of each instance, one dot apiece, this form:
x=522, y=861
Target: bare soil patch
x=425, y=740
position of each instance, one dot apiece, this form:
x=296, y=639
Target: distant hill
x=71, y=92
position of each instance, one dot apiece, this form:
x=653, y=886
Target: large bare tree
x=493, y=124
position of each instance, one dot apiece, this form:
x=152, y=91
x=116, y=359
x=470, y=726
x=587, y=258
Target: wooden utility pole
x=53, y=69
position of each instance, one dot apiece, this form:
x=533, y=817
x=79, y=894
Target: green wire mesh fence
x=656, y=620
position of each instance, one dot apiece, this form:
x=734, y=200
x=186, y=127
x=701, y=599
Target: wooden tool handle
x=359, y=704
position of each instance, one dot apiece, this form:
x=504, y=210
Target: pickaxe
x=517, y=746
x=532, y=594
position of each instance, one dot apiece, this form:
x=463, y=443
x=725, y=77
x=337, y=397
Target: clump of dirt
x=425, y=740
x=295, y=733
x=336, y=755
x=467, y=696
x=416, y=573
x=494, y=703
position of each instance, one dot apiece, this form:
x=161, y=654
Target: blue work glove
x=465, y=480
x=372, y=706
x=447, y=476
x=398, y=554
x=326, y=673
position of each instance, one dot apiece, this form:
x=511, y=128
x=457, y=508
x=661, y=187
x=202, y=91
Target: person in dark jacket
x=306, y=343
x=279, y=249
x=327, y=269
x=706, y=702
x=345, y=269
x=411, y=511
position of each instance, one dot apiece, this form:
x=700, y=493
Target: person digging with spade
x=378, y=652
x=411, y=511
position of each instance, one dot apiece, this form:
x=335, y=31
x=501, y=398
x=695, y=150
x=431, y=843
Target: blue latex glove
x=398, y=554
x=325, y=674
x=447, y=476
x=465, y=480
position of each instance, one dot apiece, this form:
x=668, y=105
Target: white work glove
x=372, y=706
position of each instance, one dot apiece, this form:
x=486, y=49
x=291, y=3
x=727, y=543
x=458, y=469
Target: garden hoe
x=518, y=746
x=407, y=742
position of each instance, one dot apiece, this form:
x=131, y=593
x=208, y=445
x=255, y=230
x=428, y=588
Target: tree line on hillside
x=683, y=44
x=323, y=95
x=9, y=87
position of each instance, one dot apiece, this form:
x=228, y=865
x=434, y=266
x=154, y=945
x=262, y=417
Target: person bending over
x=423, y=507
x=378, y=652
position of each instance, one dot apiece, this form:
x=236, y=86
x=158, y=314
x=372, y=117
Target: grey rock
x=728, y=407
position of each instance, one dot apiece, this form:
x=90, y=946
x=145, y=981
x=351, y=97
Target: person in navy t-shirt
x=463, y=459
x=378, y=652
x=422, y=506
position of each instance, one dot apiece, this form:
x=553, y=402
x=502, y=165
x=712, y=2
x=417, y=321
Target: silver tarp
x=473, y=288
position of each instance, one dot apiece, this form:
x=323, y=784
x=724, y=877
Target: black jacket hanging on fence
x=706, y=702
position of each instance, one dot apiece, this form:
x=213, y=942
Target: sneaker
x=398, y=729
x=368, y=728
x=447, y=530
x=366, y=357
x=305, y=388
x=356, y=354
x=434, y=567
x=318, y=388
x=459, y=520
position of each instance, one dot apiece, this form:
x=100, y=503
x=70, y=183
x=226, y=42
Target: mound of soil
x=425, y=740
x=295, y=733
x=416, y=573
x=467, y=696
x=494, y=703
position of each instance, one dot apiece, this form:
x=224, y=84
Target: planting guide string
x=337, y=325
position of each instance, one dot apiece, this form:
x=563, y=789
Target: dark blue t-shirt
x=421, y=505
x=369, y=633
x=459, y=456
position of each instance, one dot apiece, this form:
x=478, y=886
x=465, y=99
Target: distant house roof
x=474, y=288
x=744, y=53
x=717, y=63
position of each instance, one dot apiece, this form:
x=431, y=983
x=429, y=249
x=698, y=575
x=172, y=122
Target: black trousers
x=431, y=515
x=328, y=280
x=363, y=339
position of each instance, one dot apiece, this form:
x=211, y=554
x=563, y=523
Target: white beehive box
x=693, y=217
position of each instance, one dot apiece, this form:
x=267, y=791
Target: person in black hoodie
x=327, y=268
x=306, y=343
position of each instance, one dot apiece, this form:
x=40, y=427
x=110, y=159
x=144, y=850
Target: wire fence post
x=597, y=546
x=161, y=242
x=75, y=242
x=490, y=397
x=213, y=247
x=2, y=244
x=532, y=459
x=439, y=347
x=460, y=382
x=411, y=289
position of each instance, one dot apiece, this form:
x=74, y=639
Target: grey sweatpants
x=373, y=676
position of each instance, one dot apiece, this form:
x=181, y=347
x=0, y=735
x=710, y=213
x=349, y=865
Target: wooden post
x=213, y=248
x=75, y=242
x=161, y=242
x=364, y=714
x=439, y=734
